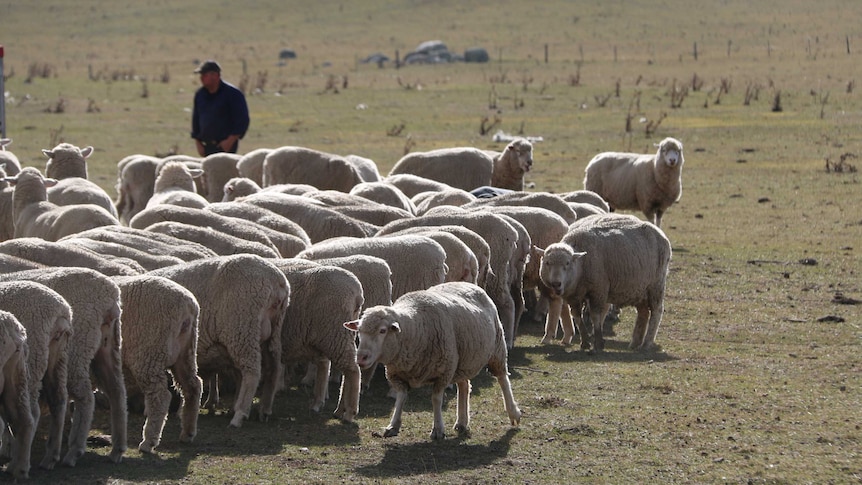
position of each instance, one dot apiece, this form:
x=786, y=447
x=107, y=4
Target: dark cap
x=208, y=66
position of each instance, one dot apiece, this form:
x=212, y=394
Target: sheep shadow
x=615, y=351
x=403, y=460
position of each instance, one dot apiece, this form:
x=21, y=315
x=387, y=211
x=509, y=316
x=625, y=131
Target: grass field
x=758, y=379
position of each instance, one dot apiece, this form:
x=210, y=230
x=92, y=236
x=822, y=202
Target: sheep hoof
x=48, y=462
x=461, y=430
x=187, y=438
x=437, y=434
x=116, y=456
x=547, y=340
x=390, y=432
x=146, y=447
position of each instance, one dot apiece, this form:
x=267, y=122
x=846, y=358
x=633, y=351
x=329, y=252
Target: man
x=220, y=116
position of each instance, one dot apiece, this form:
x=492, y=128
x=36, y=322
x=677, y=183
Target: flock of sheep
x=244, y=269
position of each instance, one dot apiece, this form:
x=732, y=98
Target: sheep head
x=521, y=152
x=561, y=268
x=67, y=160
x=670, y=153
x=376, y=329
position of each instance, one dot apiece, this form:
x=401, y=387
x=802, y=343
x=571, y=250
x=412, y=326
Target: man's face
x=210, y=80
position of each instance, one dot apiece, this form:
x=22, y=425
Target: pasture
x=759, y=379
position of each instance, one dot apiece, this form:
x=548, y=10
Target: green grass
x=749, y=386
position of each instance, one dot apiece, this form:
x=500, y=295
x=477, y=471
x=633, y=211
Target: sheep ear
x=49, y=182
x=394, y=327
x=196, y=172
x=352, y=325
x=48, y=153
x=578, y=256
x=87, y=151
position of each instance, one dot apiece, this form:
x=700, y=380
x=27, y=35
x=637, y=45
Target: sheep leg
x=272, y=372
x=437, y=431
x=57, y=398
x=157, y=401
x=367, y=375
x=463, y=422
x=656, y=312
x=80, y=391
x=321, y=384
x=16, y=399
x=575, y=311
x=498, y=367
x=213, y=397
x=640, y=326
x=567, y=323
x=400, y=389
x=348, y=397
x=108, y=370
x=598, y=310
x=554, y=309
x=191, y=388
x=249, y=380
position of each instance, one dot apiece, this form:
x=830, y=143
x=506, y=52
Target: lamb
x=218, y=242
x=320, y=222
x=366, y=168
x=15, y=393
x=453, y=325
x=299, y=165
x=384, y=193
x=95, y=347
x=136, y=179
x=160, y=333
x=250, y=165
x=175, y=185
x=47, y=318
x=610, y=259
x=467, y=168
x=8, y=159
x=243, y=300
x=147, y=241
x=218, y=168
x=35, y=216
x=412, y=185
x=313, y=331
x=649, y=183
x=417, y=262
x=239, y=187
x=68, y=165
x=51, y=253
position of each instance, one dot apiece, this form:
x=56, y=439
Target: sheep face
x=523, y=150
x=561, y=268
x=375, y=329
x=670, y=153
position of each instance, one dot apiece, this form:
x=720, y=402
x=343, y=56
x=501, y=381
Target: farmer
x=220, y=116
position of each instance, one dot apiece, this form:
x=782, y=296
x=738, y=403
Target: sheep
x=454, y=326
x=366, y=168
x=360, y=208
x=373, y=273
x=136, y=178
x=467, y=168
x=417, y=262
x=299, y=165
x=15, y=393
x=175, y=185
x=8, y=159
x=243, y=300
x=411, y=185
x=146, y=260
x=35, y=216
x=239, y=187
x=610, y=259
x=95, y=348
x=544, y=200
x=322, y=299
x=218, y=168
x=501, y=238
x=50, y=253
x=7, y=222
x=587, y=197
x=147, y=241
x=425, y=201
x=47, y=318
x=649, y=183
x=383, y=193
x=68, y=165
x=203, y=219
x=320, y=222
x=261, y=216
x=250, y=165
x=290, y=189
x=11, y=264
x=462, y=263
x=219, y=242
x=160, y=333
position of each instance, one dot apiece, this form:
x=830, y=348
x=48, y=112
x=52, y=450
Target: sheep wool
x=15, y=393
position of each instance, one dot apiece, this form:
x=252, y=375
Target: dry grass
x=758, y=380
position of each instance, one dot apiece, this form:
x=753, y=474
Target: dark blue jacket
x=218, y=115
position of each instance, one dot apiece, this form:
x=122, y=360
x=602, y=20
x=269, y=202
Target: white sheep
x=218, y=168
x=35, y=216
x=146, y=260
x=250, y=165
x=462, y=263
x=136, y=178
x=7, y=221
x=417, y=262
x=15, y=393
x=50, y=253
x=217, y=241
x=67, y=164
x=300, y=165
x=454, y=326
x=359, y=207
x=8, y=159
x=425, y=201
x=160, y=333
x=373, y=273
x=262, y=216
x=243, y=300
x=384, y=193
x=47, y=318
x=544, y=200
x=95, y=348
x=467, y=167
x=610, y=259
x=322, y=299
x=11, y=264
x=586, y=197
x=239, y=187
x=650, y=183
x=175, y=185
x=412, y=184
x=147, y=241
x=366, y=168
